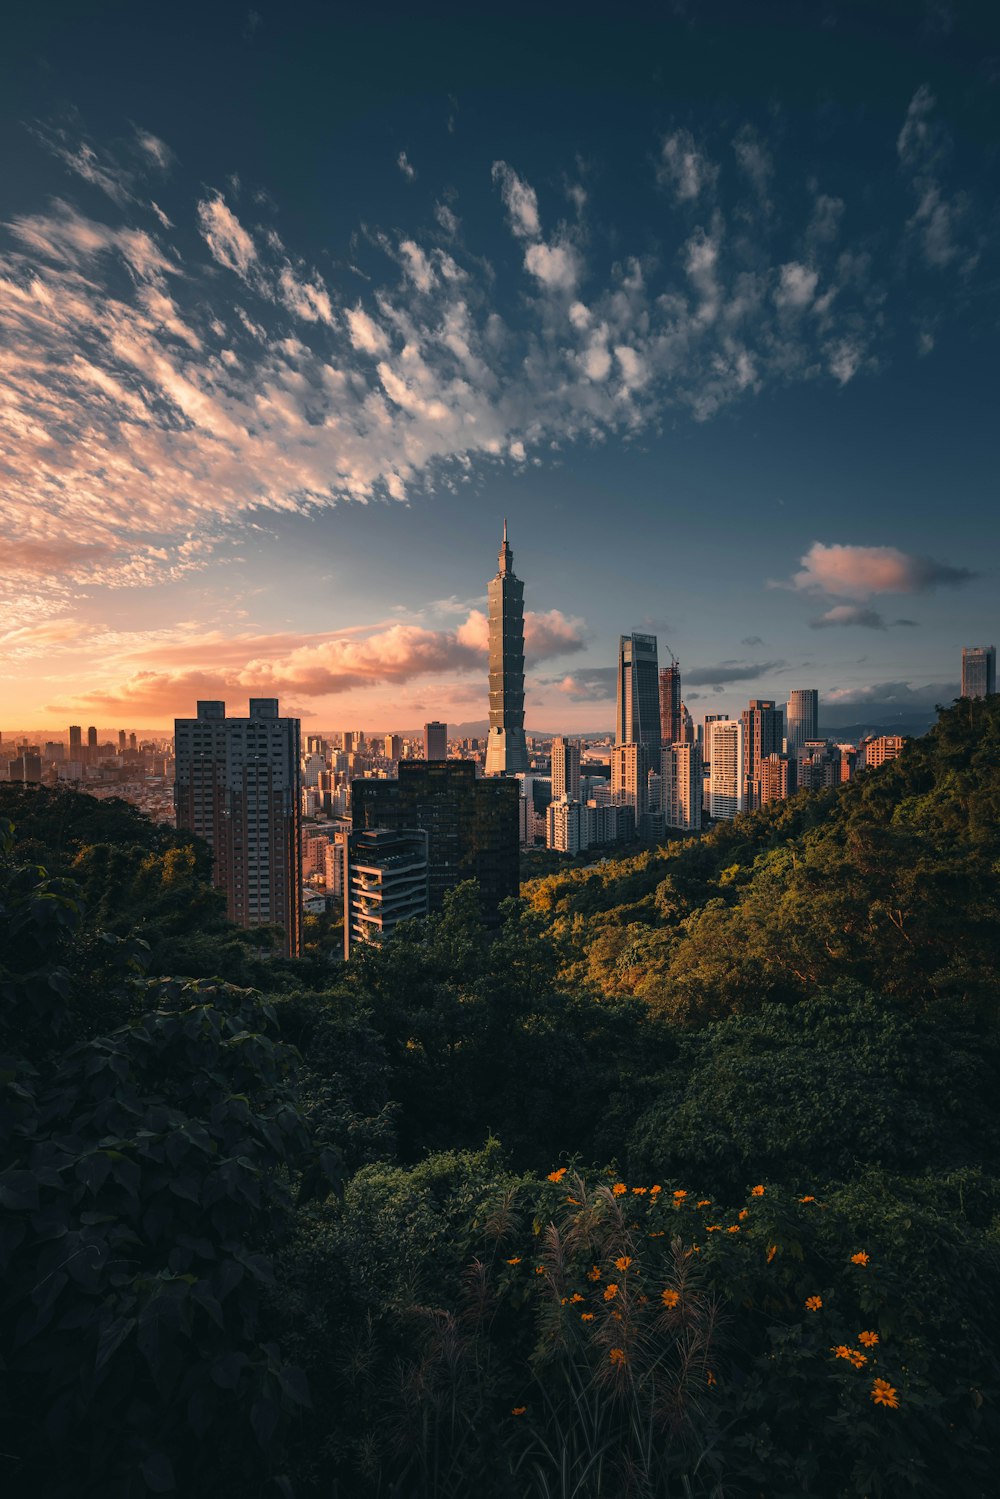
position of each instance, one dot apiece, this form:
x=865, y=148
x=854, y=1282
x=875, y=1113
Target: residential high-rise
x=435, y=741
x=763, y=732
x=670, y=703
x=630, y=778
x=778, y=778
x=803, y=718
x=638, y=718
x=565, y=769
x=385, y=882
x=237, y=785
x=680, y=780
x=706, y=745
x=564, y=826
x=92, y=740
x=471, y=823
x=506, y=749
x=687, y=734
x=979, y=670
x=726, y=780
x=122, y=740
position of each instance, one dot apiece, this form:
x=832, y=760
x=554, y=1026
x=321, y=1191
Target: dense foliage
x=684, y=1184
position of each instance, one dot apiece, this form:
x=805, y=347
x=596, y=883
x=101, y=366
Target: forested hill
x=890, y=880
x=685, y=1183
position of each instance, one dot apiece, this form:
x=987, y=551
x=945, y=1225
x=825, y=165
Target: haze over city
x=280, y=359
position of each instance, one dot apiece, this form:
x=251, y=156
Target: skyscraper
x=726, y=780
x=75, y=742
x=803, y=718
x=638, y=719
x=681, y=785
x=506, y=750
x=565, y=769
x=706, y=741
x=763, y=725
x=670, y=703
x=471, y=824
x=630, y=778
x=237, y=785
x=979, y=670
x=435, y=741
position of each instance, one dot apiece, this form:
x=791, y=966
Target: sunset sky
x=297, y=302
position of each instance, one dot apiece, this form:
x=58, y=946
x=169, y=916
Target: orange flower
x=670, y=1298
x=574, y=1201
x=714, y=1228
x=704, y=1202
x=515, y=1260
x=653, y=1191
x=617, y=1316
x=586, y=1316
x=619, y=1189
x=623, y=1261
x=617, y=1356
x=539, y=1269
x=680, y=1194
x=857, y=1358
x=593, y=1273
x=771, y=1252
x=884, y=1394
x=807, y=1199
x=860, y=1258
x=576, y=1297
x=518, y=1410
x=813, y=1303
x=841, y=1351
x=868, y=1338
x=733, y=1228
x=709, y=1378
x=756, y=1191
x=743, y=1213
x=610, y=1292
x=557, y=1176
x=638, y=1191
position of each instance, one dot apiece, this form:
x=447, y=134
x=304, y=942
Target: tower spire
x=506, y=555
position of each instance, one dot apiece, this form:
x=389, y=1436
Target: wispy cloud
x=730, y=671
x=407, y=168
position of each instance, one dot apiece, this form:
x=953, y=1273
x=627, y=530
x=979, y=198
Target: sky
x=299, y=301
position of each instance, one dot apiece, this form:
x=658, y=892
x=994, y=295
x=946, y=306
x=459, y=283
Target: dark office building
x=472, y=824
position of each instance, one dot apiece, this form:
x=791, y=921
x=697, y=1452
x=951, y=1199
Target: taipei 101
x=499, y=751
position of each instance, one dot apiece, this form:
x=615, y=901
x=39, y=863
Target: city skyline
x=274, y=378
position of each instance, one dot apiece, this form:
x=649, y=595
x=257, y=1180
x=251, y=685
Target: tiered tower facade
x=506, y=748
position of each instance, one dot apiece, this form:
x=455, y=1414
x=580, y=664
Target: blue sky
x=299, y=302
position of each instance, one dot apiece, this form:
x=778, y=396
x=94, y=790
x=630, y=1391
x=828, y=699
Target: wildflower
x=617, y=1316
x=709, y=1378
x=586, y=1316
x=518, y=1410
x=623, y=1261
x=860, y=1258
x=593, y=1273
x=813, y=1303
x=807, y=1199
x=617, y=1356
x=539, y=1269
x=743, y=1213
x=756, y=1191
x=638, y=1191
x=733, y=1228
x=772, y=1250
x=841, y=1351
x=619, y=1189
x=680, y=1195
x=610, y=1291
x=884, y=1394
x=857, y=1358
x=705, y=1202
x=514, y=1260
x=575, y=1298
x=557, y=1176
x=655, y=1191
x=714, y=1228
x=670, y=1298
x=869, y=1339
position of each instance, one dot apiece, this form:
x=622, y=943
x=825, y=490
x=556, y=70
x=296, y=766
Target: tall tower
x=670, y=703
x=638, y=694
x=803, y=718
x=506, y=750
x=763, y=726
x=979, y=670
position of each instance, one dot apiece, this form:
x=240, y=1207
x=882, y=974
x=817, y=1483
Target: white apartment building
x=725, y=780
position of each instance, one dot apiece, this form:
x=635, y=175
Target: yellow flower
x=756, y=1191
x=884, y=1394
x=623, y=1261
x=654, y=1191
x=610, y=1292
x=670, y=1298
x=619, y=1189
x=593, y=1273
x=586, y=1316
x=518, y=1410
x=813, y=1303
x=868, y=1338
x=617, y=1356
x=772, y=1250
x=733, y=1228
x=860, y=1258
x=807, y=1199
x=680, y=1194
x=576, y=1297
x=515, y=1260
x=557, y=1176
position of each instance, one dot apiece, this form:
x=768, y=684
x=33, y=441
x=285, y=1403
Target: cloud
x=556, y=266
x=860, y=571
x=519, y=200
x=849, y=614
x=751, y=640
x=405, y=166
x=156, y=151
x=896, y=695
x=939, y=222
x=730, y=671
x=797, y=286
x=593, y=684
x=683, y=167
